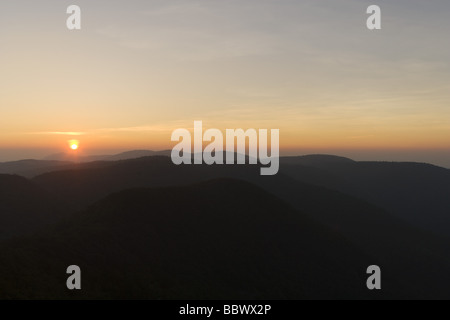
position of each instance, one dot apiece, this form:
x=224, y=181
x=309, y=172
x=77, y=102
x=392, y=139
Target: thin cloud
x=147, y=128
x=61, y=133
x=138, y=129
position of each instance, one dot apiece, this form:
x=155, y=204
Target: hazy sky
x=140, y=69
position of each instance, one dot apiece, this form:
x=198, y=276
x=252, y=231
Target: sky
x=138, y=70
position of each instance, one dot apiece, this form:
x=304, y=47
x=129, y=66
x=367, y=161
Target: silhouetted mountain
x=335, y=192
x=74, y=157
x=25, y=208
x=392, y=242
x=316, y=160
x=31, y=168
x=137, y=154
x=416, y=192
x=222, y=239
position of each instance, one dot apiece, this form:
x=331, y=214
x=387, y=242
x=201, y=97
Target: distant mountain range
x=418, y=193
x=31, y=167
x=121, y=156
x=146, y=228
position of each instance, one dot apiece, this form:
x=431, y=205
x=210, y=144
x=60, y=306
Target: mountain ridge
x=149, y=246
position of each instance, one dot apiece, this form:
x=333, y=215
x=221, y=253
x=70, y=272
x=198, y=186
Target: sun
x=74, y=144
